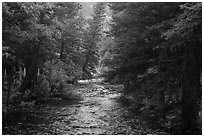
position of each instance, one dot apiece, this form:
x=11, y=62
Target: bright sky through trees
x=87, y=8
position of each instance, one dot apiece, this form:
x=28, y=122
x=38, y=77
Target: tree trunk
x=24, y=72
x=85, y=72
x=10, y=77
x=162, y=103
x=62, y=52
x=26, y=81
x=30, y=72
x=34, y=79
x=191, y=89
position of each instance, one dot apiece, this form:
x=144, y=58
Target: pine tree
x=92, y=37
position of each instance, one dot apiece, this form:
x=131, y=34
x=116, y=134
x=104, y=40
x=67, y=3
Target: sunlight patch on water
x=90, y=80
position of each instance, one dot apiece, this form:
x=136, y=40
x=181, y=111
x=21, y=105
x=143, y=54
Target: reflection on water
x=98, y=112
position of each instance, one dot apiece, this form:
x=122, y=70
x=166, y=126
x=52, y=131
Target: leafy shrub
x=44, y=86
x=57, y=75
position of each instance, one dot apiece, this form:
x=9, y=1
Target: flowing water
x=97, y=112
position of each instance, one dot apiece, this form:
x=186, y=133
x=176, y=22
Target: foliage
x=92, y=38
x=42, y=48
x=153, y=43
x=153, y=49
x=47, y=47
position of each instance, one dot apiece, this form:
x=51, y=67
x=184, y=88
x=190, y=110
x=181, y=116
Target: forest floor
x=98, y=110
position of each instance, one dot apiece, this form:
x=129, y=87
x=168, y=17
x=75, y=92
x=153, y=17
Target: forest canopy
x=153, y=49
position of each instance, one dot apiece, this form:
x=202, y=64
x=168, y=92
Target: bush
x=44, y=87
x=57, y=74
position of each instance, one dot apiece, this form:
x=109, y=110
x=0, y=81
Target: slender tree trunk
x=169, y=91
x=26, y=81
x=20, y=74
x=30, y=72
x=8, y=92
x=162, y=103
x=86, y=63
x=163, y=85
x=191, y=89
x=24, y=72
x=62, y=52
x=34, y=79
x=10, y=77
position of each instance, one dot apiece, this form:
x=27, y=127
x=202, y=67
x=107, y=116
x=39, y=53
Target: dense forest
x=153, y=50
